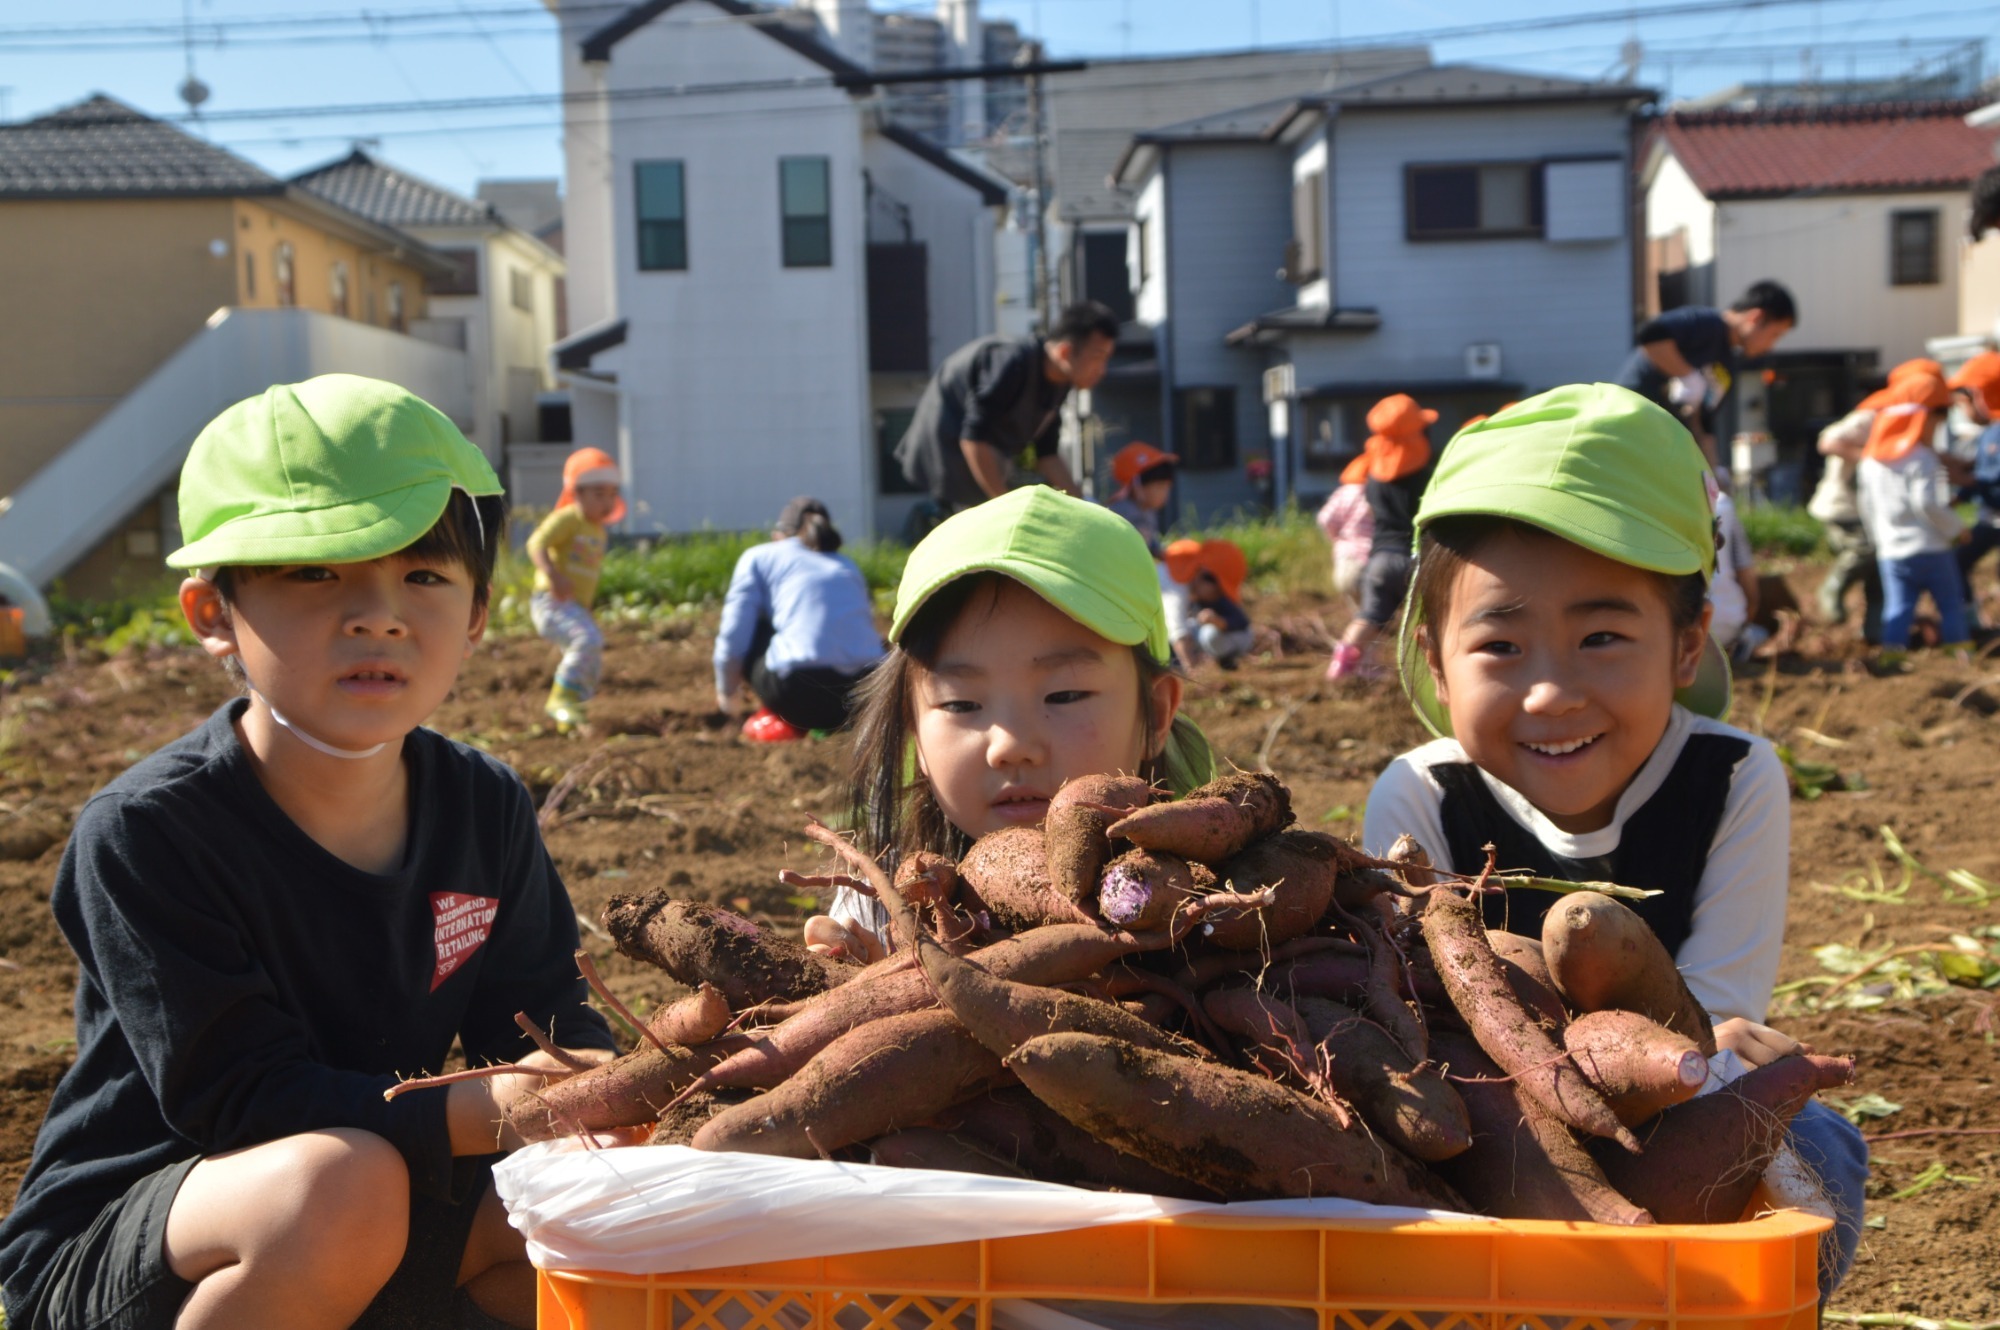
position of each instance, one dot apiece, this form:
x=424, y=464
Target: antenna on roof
x=192, y=90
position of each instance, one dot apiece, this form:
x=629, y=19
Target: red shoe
x=768, y=727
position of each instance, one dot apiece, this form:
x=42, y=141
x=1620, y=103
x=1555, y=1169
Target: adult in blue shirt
x=797, y=626
x=1684, y=360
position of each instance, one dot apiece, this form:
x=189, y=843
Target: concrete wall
x=1833, y=253
x=1561, y=312
x=741, y=382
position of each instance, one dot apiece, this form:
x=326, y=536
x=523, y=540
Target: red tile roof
x=1879, y=147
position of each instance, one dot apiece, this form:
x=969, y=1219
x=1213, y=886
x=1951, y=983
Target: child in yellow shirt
x=567, y=550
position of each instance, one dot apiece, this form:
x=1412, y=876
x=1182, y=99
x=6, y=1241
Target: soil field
x=661, y=796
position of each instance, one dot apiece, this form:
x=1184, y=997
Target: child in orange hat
x=1145, y=479
x=1213, y=572
x=1394, y=466
x=567, y=550
x=1979, y=380
x=1906, y=506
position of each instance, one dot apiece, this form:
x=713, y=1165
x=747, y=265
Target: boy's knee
x=348, y=1195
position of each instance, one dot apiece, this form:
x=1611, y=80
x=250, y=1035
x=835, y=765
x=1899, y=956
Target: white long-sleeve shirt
x=1906, y=505
x=1730, y=958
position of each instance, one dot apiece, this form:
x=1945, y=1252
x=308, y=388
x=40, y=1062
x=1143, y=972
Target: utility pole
x=1037, y=131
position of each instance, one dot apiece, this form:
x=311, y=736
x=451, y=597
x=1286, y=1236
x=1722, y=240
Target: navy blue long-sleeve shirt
x=238, y=983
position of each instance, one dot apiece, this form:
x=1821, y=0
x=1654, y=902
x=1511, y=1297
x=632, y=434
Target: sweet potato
x=1267, y=1022
x=1300, y=866
x=692, y=1020
x=1003, y=1015
x=884, y=1076
x=1075, y=830
x=926, y=879
x=1214, y=822
x=1232, y=1131
x=1384, y=997
x=1020, y=1129
x=1478, y=987
x=1602, y=955
x=1523, y=1164
x=1640, y=1066
x=1006, y=874
x=627, y=1091
x=1141, y=889
x=1413, y=863
x=927, y=1147
x=680, y=1120
x=1414, y=1109
x=1057, y=954
x=1528, y=976
x=698, y=943
x=1703, y=1158
x=1331, y=974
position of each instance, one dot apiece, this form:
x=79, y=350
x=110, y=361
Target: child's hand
x=829, y=937
x=1756, y=1044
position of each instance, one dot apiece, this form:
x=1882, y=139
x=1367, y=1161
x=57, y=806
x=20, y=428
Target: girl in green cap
x=1556, y=640
x=1029, y=647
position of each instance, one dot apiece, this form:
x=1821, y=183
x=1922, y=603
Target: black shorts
x=114, y=1275
x=1385, y=578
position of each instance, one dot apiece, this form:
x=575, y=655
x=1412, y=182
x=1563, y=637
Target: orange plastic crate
x=1463, y=1275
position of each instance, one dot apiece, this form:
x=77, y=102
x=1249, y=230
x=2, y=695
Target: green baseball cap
x=1087, y=561
x=338, y=469
x=1599, y=466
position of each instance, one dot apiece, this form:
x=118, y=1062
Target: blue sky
x=506, y=48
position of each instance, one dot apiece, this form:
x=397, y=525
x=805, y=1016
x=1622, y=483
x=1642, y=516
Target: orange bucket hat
x=591, y=466
x=1136, y=459
x=1396, y=444
x=1223, y=560
x=1902, y=421
x=1882, y=397
x=1981, y=374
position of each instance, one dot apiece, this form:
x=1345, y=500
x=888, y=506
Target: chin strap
x=318, y=745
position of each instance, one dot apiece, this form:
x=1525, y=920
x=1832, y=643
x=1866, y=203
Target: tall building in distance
x=965, y=113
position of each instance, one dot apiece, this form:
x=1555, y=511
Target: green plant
x=1782, y=529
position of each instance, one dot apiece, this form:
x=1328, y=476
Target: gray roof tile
x=382, y=194
x=102, y=148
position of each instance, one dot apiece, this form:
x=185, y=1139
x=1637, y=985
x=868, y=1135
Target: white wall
x=1674, y=203
x=741, y=382
x=957, y=229
x=1150, y=231
x=1833, y=254
x=1311, y=156
x=587, y=169
x=1561, y=313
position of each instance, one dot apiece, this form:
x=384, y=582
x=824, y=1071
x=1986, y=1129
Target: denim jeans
x=1903, y=580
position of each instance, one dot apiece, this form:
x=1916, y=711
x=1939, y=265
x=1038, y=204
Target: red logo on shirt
x=462, y=925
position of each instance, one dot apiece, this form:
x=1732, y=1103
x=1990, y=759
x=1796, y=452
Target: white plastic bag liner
x=663, y=1209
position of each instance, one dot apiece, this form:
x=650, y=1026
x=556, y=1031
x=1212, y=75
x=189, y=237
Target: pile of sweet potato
x=1196, y=999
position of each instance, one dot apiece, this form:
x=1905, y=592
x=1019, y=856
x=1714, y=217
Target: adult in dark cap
x=797, y=626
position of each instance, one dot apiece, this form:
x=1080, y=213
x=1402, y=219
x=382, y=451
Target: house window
x=1913, y=247
x=282, y=275
x=1205, y=428
x=398, y=319
x=1305, y=257
x=663, y=235
x=521, y=289
x=249, y=276
x=336, y=283
x=1489, y=200
x=462, y=280
x=805, y=207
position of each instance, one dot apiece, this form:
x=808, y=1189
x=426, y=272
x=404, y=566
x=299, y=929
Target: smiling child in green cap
x=1556, y=640
x=1029, y=646
x=306, y=899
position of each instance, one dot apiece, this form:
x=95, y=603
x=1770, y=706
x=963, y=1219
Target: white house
x=498, y=305
x=1454, y=232
x=1859, y=209
x=763, y=271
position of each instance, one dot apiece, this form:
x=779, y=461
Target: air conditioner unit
x=1482, y=360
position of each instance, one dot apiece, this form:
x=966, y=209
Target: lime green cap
x=338, y=469
x=1599, y=466
x=1086, y=561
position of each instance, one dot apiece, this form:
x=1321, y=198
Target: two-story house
x=1455, y=232
x=151, y=279
x=498, y=304
x=763, y=269
x=1859, y=208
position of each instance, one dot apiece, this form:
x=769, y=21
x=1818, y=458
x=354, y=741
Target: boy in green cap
x=306, y=899
x=1556, y=640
